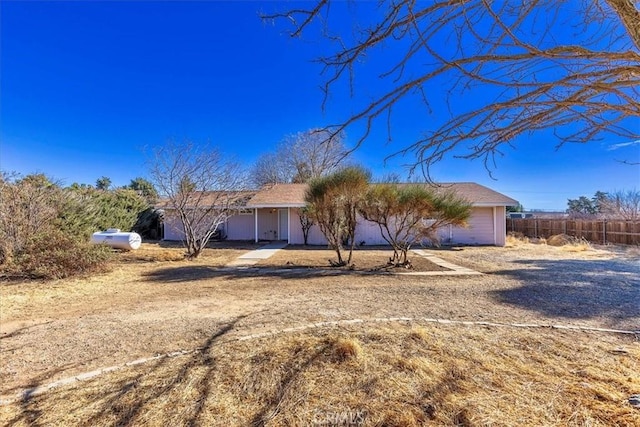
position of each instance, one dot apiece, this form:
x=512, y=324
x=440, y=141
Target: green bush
x=56, y=256
x=87, y=210
x=148, y=224
x=45, y=229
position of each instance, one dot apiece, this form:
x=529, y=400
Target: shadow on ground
x=123, y=402
x=182, y=274
x=576, y=289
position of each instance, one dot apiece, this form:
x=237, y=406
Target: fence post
x=564, y=226
x=604, y=231
x=535, y=228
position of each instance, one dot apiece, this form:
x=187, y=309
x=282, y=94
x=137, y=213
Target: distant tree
x=504, y=69
x=516, y=208
x=202, y=188
x=410, y=213
x=77, y=186
x=103, y=183
x=623, y=204
x=581, y=207
x=333, y=202
x=301, y=157
x=145, y=188
x=599, y=201
x=271, y=168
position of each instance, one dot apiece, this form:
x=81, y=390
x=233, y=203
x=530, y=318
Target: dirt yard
x=143, y=308
x=365, y=259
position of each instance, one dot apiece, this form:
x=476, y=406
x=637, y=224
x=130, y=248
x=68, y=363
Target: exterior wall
x=267, y=224
x=501, y=225
x=237, y=227
x=484, y=228
x=369, y=233
x=296, y=238
x=480, y=230
x=173, y=229
x=241, y=227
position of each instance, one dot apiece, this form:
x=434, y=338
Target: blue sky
x=86, y=86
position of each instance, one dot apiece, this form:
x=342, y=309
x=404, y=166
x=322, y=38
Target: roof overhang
x=276, y=205
x=491, y=204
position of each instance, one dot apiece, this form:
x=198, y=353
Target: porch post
x=278, y=213
x=288, y=226
x=255, y=226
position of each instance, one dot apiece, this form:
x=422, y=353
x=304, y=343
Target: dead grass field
x=388, y=374
x=382, y=375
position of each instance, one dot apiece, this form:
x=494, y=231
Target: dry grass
x=396, y=375
x=120, y=288
x=577, y=247
x=567, y=243
x=369, y=258
x=174, y=251
x=519, y=239
x=400, y=375
x=149, y=253
x=516, y=239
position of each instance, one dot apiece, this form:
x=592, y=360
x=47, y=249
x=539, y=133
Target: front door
x=283, y=224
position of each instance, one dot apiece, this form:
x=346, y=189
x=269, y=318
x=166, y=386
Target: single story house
x=272, y=213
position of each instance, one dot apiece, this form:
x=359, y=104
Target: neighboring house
x=519, y=215
x=549, y=214
x=538, y=214
x=273, y=214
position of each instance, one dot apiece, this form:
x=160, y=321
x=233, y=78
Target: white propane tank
x=115, y=238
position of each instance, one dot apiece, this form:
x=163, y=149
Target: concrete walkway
x=253, y=257
x=457, y=270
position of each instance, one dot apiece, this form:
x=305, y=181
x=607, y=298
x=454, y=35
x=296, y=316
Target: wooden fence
x=595, y=231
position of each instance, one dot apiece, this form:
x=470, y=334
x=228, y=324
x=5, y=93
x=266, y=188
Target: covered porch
x=272, y=223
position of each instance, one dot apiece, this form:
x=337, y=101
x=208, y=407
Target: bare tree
x=306, y=222
x=623, y=204
x=202, y=189
x=506, y=69
x=271, y=168
x=300, y=157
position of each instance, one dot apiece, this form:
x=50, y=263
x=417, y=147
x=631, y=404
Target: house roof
x=204, y=199
x=279, y=195
x=292, y=195
x=477, y=194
